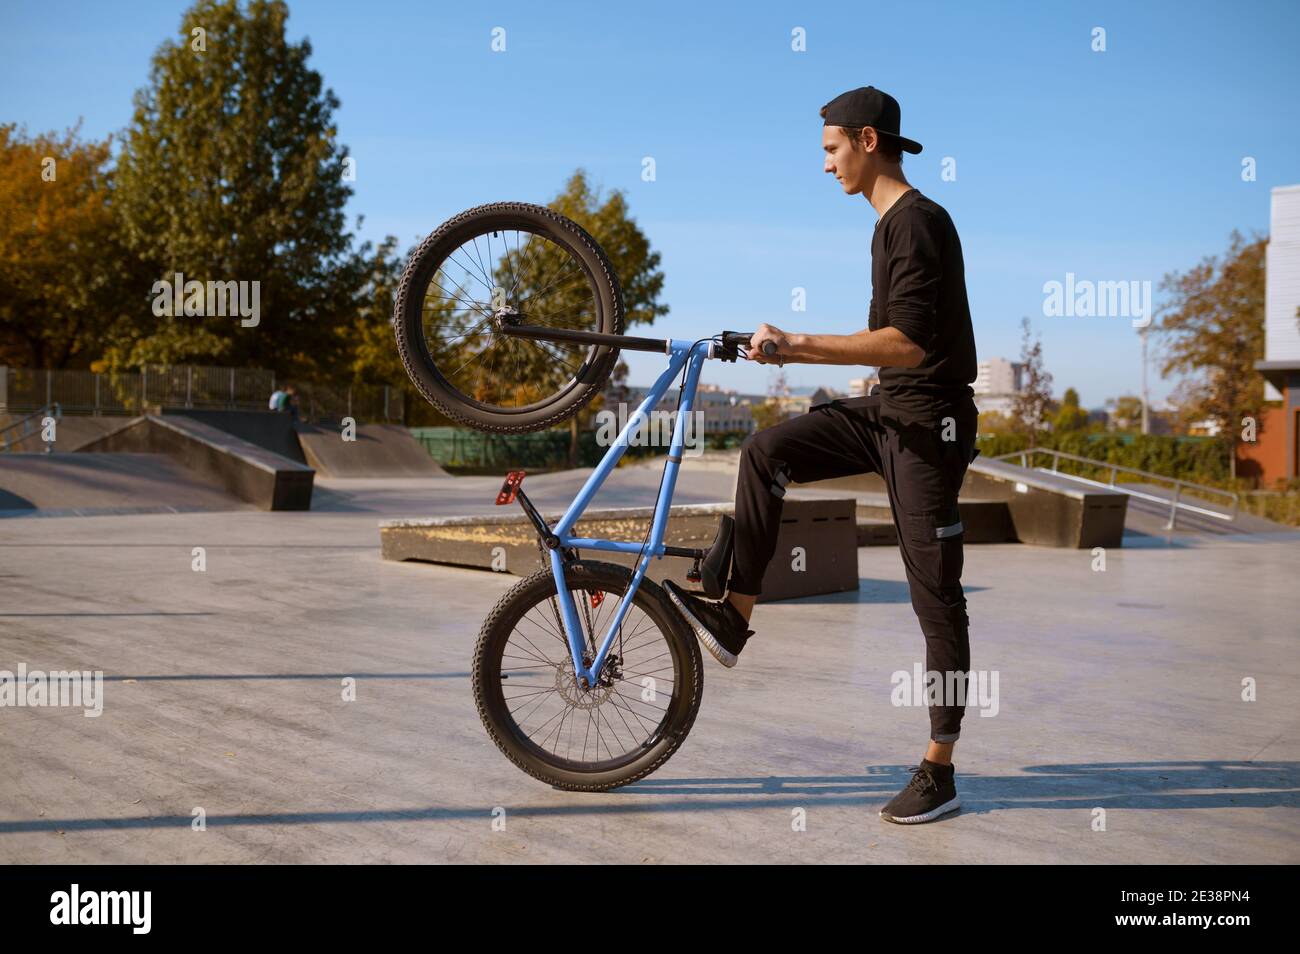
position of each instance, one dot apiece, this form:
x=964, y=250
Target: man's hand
x=775, y=335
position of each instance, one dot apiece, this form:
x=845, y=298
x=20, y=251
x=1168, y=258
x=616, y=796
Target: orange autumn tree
x=65, y=281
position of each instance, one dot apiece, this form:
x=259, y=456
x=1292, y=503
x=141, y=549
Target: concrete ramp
x=380, y=450
x=1150, y=517
x=90, y=484
x=72, y=433
x=251, y=473
x=1006, y=502
x=267, y=429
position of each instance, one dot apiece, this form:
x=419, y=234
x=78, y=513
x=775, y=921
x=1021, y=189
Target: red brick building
x=1275, y=455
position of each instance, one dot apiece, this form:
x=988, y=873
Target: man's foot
x=929, y=794
x=721, y=628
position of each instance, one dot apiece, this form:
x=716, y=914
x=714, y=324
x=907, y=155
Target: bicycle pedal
x=510, y=488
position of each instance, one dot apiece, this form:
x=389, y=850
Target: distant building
x=792, y=404
x=1204, y=428
x=861, y=387
x=997, y=382
x=1275, y=454
x=724, y=410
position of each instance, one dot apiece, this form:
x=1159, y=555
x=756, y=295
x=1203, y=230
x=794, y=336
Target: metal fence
x=191, y=386
x=464, y=449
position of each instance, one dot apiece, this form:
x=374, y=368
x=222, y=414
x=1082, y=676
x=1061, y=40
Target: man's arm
x=885, y=348
x=915, y=270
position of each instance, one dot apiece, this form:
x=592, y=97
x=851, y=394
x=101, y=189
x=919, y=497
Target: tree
x=767, y=413
x=230, y=171
x=1125, y=412
x=1069, y=417
x=64, y=277
x=1030, y=404
x=1213, y=327
x=628, y=248
x=369, y=336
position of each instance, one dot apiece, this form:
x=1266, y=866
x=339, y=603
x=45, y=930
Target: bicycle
x=530, y=356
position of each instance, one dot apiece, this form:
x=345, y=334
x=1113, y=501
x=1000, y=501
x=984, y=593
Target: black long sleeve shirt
x=918, y=285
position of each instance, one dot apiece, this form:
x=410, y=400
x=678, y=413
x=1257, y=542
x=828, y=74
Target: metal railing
x=26, y=428
x=1174, y=502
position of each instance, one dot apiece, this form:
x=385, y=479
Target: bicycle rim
x=613, y=724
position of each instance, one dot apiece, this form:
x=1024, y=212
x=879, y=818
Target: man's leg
x=924, y=474
x=829, y=441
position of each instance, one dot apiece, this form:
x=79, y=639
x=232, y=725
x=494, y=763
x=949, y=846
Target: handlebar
x=730, y=339
x=733, y=338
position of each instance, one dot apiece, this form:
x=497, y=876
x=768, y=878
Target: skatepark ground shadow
x=1078, y=786
x=871, y=590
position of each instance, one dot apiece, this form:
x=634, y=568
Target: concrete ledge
x=824, y=529
x=1050, y=510
x=264, y=479
x=1006, y=503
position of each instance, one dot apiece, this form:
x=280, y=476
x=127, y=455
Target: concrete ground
x=1118, y=690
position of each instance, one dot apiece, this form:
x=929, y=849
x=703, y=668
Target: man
x=916, y=429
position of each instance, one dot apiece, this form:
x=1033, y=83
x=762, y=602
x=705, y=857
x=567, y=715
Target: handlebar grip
x=741, y=339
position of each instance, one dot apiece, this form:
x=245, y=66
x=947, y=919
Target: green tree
x=1069, y=417
x=231, y=171
x=369, y=336
x=1213, y=329
x=1125, y=412
x=65, y=280
x=636, y=265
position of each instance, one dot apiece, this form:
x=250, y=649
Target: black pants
x=922, y=472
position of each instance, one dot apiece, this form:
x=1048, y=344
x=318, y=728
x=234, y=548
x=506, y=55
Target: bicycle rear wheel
x=508, y=262
x=621, y=729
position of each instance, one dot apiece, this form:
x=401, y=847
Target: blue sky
x=1115, y=165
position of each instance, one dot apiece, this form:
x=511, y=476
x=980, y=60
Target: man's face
x=847, y=164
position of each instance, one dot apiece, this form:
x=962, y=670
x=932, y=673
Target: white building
x=861, y=387
x=997, y=382
x=999, y=376
x=724, y=410
x=1276, y=453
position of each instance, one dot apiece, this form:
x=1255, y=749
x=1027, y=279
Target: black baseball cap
x=868, y=106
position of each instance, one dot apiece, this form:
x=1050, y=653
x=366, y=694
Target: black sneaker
x=718, y=623
x=929, y=794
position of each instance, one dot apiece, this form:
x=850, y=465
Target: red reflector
x=510, y=487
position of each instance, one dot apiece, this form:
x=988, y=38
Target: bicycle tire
x=421, y=364
x=566, y=773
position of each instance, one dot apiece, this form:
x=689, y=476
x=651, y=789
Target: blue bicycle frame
x=680, y=353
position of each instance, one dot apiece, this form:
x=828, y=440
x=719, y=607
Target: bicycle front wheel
x=517, y=263
x=621, y=729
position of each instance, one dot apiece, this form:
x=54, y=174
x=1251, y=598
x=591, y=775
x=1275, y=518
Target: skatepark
x=267, y=668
